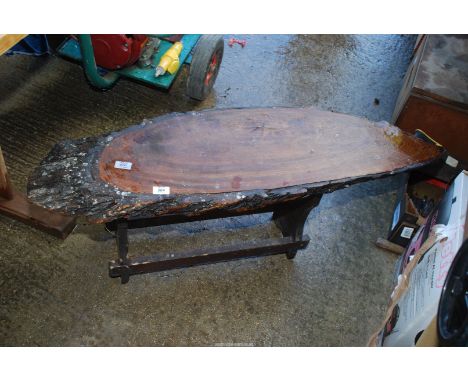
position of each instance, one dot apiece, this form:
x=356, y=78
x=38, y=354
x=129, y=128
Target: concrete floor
x=334, y=293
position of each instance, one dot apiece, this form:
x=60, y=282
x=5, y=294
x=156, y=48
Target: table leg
x=291, y=219
x=122, y=247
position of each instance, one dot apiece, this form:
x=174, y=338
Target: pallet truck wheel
x=207, y=57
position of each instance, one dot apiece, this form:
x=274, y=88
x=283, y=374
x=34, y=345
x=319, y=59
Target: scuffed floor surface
x=334, y=293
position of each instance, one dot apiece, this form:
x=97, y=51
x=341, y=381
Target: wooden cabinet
x=434, y=97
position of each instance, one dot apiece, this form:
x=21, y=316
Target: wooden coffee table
x=216, y=164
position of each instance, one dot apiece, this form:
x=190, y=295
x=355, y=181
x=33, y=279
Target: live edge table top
x=233, y=159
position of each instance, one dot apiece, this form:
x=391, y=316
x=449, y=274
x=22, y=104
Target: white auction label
x=451, y=161
x=407, y=232
x=123, y=165
x=159, y=190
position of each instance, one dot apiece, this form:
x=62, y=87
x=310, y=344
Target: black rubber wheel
x=452, y=317
x=206, y=60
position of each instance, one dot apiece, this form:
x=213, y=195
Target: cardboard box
x=414, y=202
x=405, y=222
x=425, y=192
x=423, y=269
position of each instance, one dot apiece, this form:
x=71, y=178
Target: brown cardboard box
x=423, y=270
x=415, y=201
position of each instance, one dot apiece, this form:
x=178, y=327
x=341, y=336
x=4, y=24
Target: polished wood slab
x=232, y=150
x=233, y=159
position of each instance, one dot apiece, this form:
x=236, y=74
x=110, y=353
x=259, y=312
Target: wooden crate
x=434, y=97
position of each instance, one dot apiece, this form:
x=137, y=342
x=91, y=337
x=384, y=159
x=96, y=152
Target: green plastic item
x=104, y=81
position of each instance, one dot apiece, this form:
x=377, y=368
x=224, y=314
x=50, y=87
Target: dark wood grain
x=233, y=159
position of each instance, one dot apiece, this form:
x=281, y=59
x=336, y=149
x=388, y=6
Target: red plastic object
x=116, y=51
x=233, y=41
